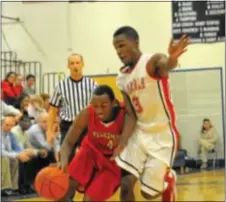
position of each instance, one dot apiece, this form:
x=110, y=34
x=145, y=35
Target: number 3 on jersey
x=137, y=105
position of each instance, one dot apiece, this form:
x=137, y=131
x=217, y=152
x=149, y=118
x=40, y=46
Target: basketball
x=52, y=183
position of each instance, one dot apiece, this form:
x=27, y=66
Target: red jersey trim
x=170, y=112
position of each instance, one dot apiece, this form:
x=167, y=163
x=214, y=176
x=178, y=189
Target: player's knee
x=149, y=196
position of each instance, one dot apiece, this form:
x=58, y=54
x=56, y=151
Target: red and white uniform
x=91, y=166
x=154, y=142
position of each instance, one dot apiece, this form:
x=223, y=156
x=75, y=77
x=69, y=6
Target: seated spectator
x=207, y=141
x=29, y=85
x=45, y=98
x=19, y=84
x=36, y=106
x=26, y=176
x=9, y=110
x=20, y=132
x=37, y=138
x=23, y=103
x=9, y=93
x=11, y=154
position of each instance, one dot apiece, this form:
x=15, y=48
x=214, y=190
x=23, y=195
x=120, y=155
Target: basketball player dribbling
x=147, y=148
x=91, y=168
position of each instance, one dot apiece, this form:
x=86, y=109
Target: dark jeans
x=29, y=170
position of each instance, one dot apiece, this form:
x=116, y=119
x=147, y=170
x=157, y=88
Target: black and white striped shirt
x=72, y=96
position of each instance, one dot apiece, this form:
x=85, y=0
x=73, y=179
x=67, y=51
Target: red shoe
x=170, y=193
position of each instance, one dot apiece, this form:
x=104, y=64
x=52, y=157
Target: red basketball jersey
x=104, y=136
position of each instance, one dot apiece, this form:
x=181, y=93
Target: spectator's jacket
x=10, y=148
x=9, y=93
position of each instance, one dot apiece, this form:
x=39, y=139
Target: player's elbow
x=161, y=60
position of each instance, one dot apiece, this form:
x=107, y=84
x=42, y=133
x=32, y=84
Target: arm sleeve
x=7, y=89
x=14, y=143
x=214, y=135
x=56, y=98
x=8, y=109
x=37, y=141
x=10, y=154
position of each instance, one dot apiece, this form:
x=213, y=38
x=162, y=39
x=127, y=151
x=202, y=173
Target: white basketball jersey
x=150, y=97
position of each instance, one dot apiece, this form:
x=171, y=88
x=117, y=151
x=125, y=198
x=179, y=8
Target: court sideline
x=200, y=186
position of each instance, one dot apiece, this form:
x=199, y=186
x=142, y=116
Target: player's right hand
x=63, y=165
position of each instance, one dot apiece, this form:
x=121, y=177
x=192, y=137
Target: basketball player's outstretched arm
x=159, y=64
x=79, y=125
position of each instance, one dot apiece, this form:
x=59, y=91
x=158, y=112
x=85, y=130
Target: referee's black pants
x=64, y=127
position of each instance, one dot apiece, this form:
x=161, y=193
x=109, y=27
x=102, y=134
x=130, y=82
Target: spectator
x=26, y=172
x=36, y=106
x=207, y=140
x=45, y=98
x=20, y=132
x=23, y=103
x=19, y=84
x=9, y=110
x=10, y=153
x=9, y=93
x=29, y=85
x=37, y=138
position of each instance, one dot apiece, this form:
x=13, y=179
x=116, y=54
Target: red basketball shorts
x=98, y=175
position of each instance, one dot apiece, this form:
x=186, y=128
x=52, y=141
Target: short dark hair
x=30, y=76
x=203, y=121
x=128, y=31
x=105, y=89
x=24, y=117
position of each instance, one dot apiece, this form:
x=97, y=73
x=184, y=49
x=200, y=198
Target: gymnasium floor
x=200, y=186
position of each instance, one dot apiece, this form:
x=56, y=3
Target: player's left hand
x=175, y=50
x=117, y=151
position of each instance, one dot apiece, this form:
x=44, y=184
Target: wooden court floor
x=201, y=186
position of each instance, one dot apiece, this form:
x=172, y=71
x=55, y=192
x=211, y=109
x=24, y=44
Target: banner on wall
x=203, y=21
x=109, y=80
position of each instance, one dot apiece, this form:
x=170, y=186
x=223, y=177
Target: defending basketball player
x=92, y=168
x=147, y=148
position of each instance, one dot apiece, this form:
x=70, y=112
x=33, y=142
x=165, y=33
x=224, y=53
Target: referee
x=71, y=96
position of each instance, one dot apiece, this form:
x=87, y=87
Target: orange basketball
x=52, y=183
